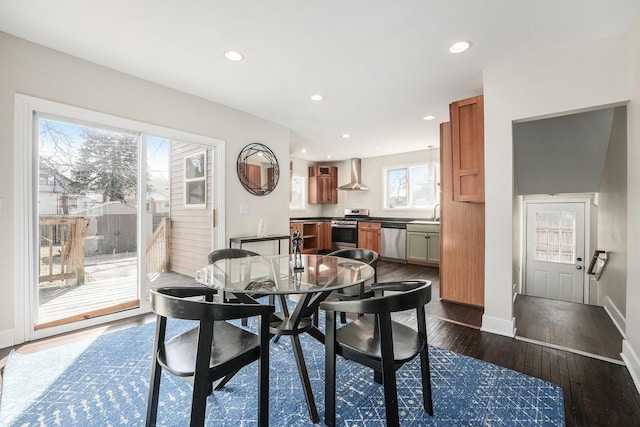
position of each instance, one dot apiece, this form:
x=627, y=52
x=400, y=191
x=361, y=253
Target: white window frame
x=303, y=205
x=435, y=170
x=200, y=179
x=26, y=174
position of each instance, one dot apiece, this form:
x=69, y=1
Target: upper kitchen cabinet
x=467, y=137
x=323, y=184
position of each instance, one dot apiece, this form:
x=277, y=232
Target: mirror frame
x=242, y=167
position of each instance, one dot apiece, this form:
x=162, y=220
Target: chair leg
x=330, y=370
x=156, y=373
x=263, y=373
x=199, y=402
x=426, y=381
x=225, y=380
x=154, y=390
x=388, y=372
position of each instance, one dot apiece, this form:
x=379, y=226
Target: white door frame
x=25, y=199
x=587, y=238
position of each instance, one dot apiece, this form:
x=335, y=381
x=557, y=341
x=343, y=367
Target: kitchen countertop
x=373, y=219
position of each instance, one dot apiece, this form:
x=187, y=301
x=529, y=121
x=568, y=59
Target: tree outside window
x=412, y=186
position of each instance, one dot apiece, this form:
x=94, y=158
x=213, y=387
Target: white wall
x=44, y=73
x=612, y=221
x=583, y=77
x=631, y=345
x=373, y=178
x=301, y=168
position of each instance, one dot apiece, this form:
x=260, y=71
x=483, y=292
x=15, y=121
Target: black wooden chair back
x=211, y=350
x=364, y=255
x=232, y=253
x=229, y=253
x=376, y=341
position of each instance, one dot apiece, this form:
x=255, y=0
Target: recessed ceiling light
x=317, y=97
x=346, y=135
x=328, y=156
x=378, y=147
x=459, y=47
x=428, y=117
x=233, y=55
x=304, y=150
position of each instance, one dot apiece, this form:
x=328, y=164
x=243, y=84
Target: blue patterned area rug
x=105, y=381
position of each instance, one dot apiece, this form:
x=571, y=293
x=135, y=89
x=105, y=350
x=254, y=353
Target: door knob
x=579, y=259
x=579, y=267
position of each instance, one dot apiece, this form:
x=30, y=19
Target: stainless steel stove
x=344, y=230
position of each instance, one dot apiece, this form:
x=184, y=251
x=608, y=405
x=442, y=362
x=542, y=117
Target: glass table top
x=275, y=274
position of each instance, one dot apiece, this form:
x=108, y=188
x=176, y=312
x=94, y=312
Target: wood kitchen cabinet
x=316, y=235
x=324, y=235
x=462, y=236
x=323, y=184
x=369, y=236
x=423, y=244
x=309, y=232
x=467, y=142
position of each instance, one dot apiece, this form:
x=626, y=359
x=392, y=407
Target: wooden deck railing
x=159, y=249
x=62, y=237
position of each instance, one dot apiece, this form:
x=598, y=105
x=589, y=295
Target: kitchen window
x=298, y=193
x=411, y=186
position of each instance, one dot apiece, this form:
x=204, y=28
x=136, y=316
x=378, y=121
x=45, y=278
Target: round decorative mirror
x=258, y=169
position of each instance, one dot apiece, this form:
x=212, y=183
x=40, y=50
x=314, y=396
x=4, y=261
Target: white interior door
x=555, y=248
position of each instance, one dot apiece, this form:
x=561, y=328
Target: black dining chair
x=210, y=351
x=232, y=253
x=360, y=254
x=376, y=341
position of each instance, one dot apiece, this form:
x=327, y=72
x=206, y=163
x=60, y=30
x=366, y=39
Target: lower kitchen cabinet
x=316, y=235
x=324, y=235
x=369, y=236
x=423, y=244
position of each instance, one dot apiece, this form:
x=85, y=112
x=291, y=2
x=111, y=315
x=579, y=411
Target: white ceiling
x=381, y=65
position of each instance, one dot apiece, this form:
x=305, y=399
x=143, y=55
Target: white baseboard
x=6, y=338
x=631, y=360
x=498, y=326
x=615, y=315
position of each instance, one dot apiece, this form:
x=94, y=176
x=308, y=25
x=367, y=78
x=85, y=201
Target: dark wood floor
x=596, y=392
x=456, y=313
x=581, y=328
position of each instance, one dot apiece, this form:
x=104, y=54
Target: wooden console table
x=252, y=239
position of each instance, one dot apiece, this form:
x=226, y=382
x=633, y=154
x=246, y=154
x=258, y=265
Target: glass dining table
x=309, y=281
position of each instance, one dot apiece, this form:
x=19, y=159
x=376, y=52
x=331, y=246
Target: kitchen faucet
x=435, y=208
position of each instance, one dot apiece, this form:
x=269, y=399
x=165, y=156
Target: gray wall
x=562, y=154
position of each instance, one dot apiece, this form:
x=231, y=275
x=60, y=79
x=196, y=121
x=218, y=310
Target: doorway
x=102, y=199
x=555, y=244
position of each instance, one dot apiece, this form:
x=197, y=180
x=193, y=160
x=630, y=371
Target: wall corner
x=498, y=326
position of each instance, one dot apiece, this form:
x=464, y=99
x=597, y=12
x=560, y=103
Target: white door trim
x=587, y=237
x=24, y=201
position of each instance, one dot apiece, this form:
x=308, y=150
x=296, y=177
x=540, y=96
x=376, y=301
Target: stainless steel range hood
x=355, y=184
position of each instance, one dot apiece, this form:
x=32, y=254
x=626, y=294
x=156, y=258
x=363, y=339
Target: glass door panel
x=88, y=219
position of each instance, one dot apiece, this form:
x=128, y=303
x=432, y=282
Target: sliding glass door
x=88, y=207
x=106, y=207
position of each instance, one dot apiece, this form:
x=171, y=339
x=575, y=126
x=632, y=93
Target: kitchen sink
x=425, y=221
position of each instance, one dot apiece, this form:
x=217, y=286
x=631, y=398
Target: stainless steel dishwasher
x=394, y=241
